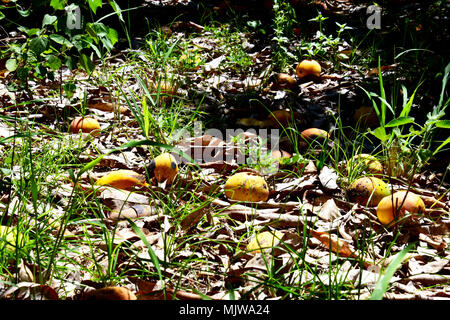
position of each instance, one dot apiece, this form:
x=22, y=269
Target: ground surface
x=329, y=247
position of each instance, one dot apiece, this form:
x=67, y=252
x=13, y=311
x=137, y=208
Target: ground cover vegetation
x=285, y=149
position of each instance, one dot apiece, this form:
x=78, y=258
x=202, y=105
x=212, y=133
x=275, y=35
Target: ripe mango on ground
x=369, y=163
x=263, y=240
x=393, y=207
x=284, y=81
x=311, y=134
x=163, y=168
x=122, y=179
x=85, y=124
x=244, y=186
x=308, y=70
x=368, y=191
x=282, y=118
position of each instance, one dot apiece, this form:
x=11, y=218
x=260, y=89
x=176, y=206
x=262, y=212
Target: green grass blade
x=152, y=254
x=383, y=94
x=411, y=50
x=447, y=141
x=382, y=284
x=444, y=85
x=399, y=122
x=407, y=106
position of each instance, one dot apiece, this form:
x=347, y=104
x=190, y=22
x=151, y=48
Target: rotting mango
x=243, y=186
x=368, y=191
x=284, y=81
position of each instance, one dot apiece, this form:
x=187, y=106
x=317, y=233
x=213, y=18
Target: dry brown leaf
x=329, y=211
x=151, y=290
x=110, y=293
x=431, y=202
x=374, y=71
x=30, y=290
x=436, y=241
x=328, y=178
x=133, y=212
x=193, y=218
x=205, y=149
x=429, y=279
x=420, y=265
x=337, y=245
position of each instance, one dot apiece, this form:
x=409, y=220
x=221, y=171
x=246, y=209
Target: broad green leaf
x=92, y=32
x=32, y=32
x=41, y=71
x=399, y=122
x=22, y=73
x=2, y=16
x=113, y=36
x=405, y=100
x=58, y=4
x=382, y=285
x=81, y=41
x=69, y=89
x=99, y=31
x=116, y=9
x=94, y=4
x=38, y=45
x=54, y=62
x=48, y=19
x=443, y=124
x=70, y=62
x=106, y=43
x=86, y=63
x=61, y=40
x=380, y=133
x=11, y=64
x=96, y=50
